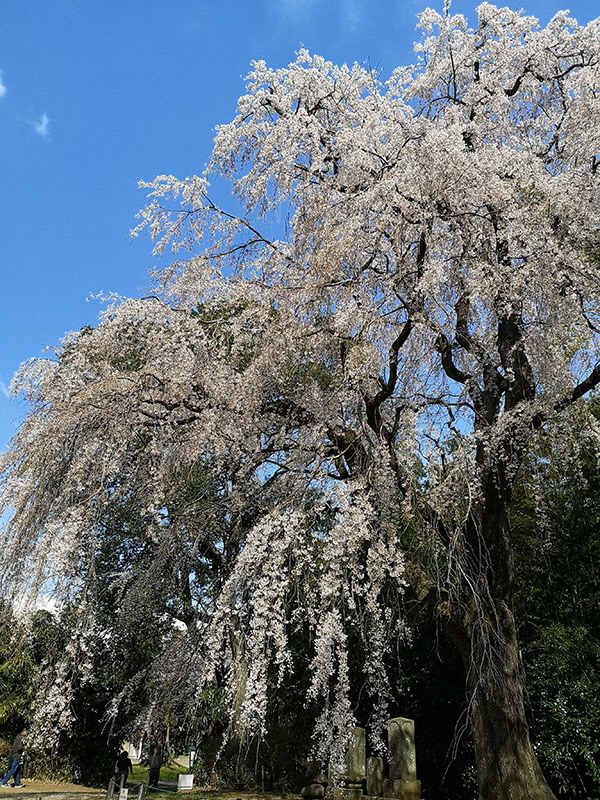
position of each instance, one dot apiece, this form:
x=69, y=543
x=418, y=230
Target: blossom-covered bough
x=409, y=294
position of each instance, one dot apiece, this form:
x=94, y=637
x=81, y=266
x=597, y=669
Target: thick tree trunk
x=507, y=768
x=485, y=632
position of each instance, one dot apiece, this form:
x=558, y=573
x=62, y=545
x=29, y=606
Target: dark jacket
x=16, y=750
x=155, y=761
x=124, y=763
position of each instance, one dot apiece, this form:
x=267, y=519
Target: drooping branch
x=580, y=390
x=374, y=404
x=443, y=347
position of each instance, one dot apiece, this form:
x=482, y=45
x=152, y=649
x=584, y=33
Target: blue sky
x=98, y=94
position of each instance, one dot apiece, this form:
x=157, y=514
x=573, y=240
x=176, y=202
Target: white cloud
x=41, y=125
x=293, y=9
x=352, y=13
x=348, y=14
x=2, y=84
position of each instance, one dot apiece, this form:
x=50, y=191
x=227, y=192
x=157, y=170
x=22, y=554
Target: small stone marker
x=123, y=794
x=184, y=782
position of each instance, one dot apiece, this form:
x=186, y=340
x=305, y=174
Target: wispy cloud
x=294, y=9
x=2, y=84
x=298, y=5
x=348, y=15
x=352, y=12
x=40, y=126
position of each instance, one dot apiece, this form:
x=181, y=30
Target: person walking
x=14, y=761
x=154, y=765
x=122, y=769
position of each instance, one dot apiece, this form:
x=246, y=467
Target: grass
x=169, y=772
x=212, y=794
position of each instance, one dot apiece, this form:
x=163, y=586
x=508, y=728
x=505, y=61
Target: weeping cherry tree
x=407, y=297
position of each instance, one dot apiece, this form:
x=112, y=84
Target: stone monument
x=349, y=783
x=402, y=783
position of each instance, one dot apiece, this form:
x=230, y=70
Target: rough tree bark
x=507, y=768
x=485, y=634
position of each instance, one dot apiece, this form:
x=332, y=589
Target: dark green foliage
x=17, y=669
x=557, y=565
x=129, y=361
x=48, y=637
x=279, y=762
x=564, y=678
x=144, y=579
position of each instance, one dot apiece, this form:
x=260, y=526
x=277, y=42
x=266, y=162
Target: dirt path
x=48, y=790
x=51, y=791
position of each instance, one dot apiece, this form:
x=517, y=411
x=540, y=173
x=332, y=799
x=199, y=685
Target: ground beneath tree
x=48, y=790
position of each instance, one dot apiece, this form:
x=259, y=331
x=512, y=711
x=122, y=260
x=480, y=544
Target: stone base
x=185, y=782
x=340, y=793
x=402, y=790
x=314, y=791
